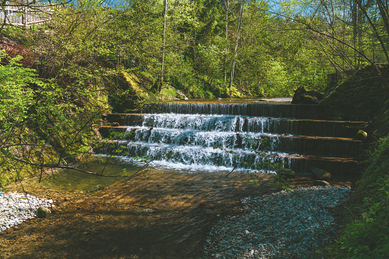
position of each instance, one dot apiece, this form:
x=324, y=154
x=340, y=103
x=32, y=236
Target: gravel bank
x=278, y=225
x=18, y=207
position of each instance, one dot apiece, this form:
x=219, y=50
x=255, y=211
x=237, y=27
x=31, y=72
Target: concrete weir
x=243, y=136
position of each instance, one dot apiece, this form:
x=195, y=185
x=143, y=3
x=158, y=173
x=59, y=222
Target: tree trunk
x=225, y=61
x=163, y=44
x=354, y=11
x=236, y=44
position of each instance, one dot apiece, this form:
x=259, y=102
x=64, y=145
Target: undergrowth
x=365, y=216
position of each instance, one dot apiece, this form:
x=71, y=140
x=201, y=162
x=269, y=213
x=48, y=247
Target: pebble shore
x=18, y=207
x=278, y=225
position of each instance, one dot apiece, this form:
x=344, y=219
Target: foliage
x=15, y=97
x=282, y=45
x=366, y=232
x=44, y=124
x=90, y=59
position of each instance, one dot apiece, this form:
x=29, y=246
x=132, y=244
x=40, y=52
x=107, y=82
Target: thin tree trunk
x=236, y=45
x=360, y=22
x=25, y=17
x=163, y=44
x=225, y=61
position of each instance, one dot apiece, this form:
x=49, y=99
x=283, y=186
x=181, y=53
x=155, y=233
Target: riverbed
x=155, y=214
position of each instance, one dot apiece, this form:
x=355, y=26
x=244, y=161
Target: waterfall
x=209, y=137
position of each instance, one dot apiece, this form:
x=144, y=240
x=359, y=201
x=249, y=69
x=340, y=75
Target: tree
x=163, y=42
x=236, y=45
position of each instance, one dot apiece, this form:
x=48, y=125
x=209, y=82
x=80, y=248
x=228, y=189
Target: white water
x=195, y=122
x=204, y=142
x=243, y=142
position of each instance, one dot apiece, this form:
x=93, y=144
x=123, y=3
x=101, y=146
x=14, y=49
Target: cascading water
x=221, y=137
x=197, y=142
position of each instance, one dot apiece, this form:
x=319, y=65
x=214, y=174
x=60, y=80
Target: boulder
x=42, y=212
x=302, y=96
x=181, y=95
x=361, y=135
x=168, y=92
x=320, y=183
x=320, y=173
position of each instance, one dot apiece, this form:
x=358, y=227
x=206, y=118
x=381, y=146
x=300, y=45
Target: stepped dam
x=243, y=137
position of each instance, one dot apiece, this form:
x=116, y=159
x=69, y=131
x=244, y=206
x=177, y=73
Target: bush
x=366, y=234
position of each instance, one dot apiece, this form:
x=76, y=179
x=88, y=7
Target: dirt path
x=166, y=216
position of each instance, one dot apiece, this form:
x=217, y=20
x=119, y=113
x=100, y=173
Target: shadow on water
x=73, y=180
x=156, y=214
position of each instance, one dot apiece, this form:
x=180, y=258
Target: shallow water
x=153, y=214
x=127, y=168
x=71, y=180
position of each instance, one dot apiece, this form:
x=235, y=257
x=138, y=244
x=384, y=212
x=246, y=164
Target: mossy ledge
x=360, y=95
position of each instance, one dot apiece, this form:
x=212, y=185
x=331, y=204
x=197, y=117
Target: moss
x=168, y=94
x=127, y=91
x=361, y=135
x=133, y=82
x=42, y=212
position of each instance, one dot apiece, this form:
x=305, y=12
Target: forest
x=92, y=57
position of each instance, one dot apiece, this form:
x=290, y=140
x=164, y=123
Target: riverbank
x=155, y=215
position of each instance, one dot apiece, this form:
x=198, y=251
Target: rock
x=320, y=173
x=181, y=95
x=302, y=96
x=361, y=135
x=320, y=183
x=42, y=212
